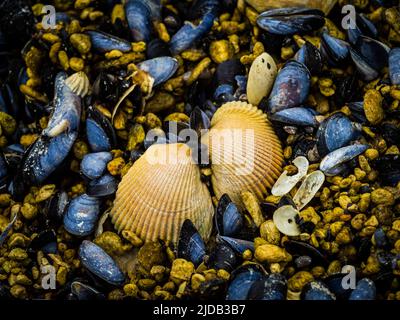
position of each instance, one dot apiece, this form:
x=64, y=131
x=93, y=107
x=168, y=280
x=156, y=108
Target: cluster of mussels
x=81, y=89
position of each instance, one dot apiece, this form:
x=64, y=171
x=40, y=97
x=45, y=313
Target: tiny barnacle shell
x=285, y=220
x=308, y=189
x=160, y=191
x=79, y=83
x=286, y=183
x=245, y=153
x=261, y=78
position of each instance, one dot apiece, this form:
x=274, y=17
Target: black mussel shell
x=45, y=241
x=55, y=208
x=346, y=90
x=311, y=57
x=199, y=121
x=223, y=257
x=317, y=290
x=390, y=132
x=228, y=218
x=271, y=288
x=157, y=48
x=190, y=244
x=375, y=53
x=84, y=292
x=242, y=279
x=388, y=167
x=335, y=284
x=17, y=21
x=299, y=248
x=102, y=187
x=335, y=132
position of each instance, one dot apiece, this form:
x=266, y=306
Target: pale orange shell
x=245, y=153
x=162, y=189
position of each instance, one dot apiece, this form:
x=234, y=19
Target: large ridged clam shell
x=245, y=153
x=161, y=190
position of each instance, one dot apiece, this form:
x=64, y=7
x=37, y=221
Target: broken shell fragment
x=245, y=152
x=285, y=220
x=308, y=189
x=285, y=183
x=160, y=191
x=79, y=84
x=261, y=78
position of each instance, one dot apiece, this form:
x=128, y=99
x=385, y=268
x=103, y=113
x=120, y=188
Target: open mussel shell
x=285, y=220
x=243, y=279
x=161, y=190
x=190, y=244
x=285, y=183
x=98, y=262
x=262, y=5
x=245, y=153
x=288, y=21
x=308, y=189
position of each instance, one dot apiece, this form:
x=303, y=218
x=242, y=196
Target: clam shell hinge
x=161, y=190
x=245, y=153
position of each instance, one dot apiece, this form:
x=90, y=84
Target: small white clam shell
x=79, y=83
x=261, y=78
x=285, y=220
x=286, y=183
x=308, y=189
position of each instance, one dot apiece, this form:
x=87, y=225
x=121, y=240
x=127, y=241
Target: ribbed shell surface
x=161, y=190
x=245, y=153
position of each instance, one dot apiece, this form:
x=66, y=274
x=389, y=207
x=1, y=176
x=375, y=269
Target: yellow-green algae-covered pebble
x=271, y=253
x=181, y=271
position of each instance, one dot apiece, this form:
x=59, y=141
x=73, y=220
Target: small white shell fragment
x=286, y=183
x=308, y=189
x=285, y=220
x=261, y=78
x=79, y=83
